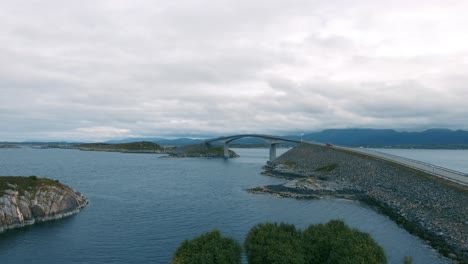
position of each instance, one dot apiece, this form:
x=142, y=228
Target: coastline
x=28, y=200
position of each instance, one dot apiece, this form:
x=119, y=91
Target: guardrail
x=452, y=175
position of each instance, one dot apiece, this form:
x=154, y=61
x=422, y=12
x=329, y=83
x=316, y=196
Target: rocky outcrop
x=35, y=200
x=427, y=206
x=200, y=151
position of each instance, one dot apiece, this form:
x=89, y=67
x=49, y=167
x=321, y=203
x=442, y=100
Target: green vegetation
x=328, y=167
x=290, y=163
x=209, y=248
x=272, y=243
x=334, y=242
x=134, y=146
x=215, y=151
x=22, y=184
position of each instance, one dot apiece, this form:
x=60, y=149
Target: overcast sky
x=98, y=70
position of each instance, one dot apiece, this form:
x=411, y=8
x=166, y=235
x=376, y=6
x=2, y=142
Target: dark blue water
x=142, y=207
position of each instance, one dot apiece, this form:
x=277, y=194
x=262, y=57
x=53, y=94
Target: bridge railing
x=424, y=166
x=417, y=161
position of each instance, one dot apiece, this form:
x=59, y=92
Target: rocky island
x=133, y=147
x=200, y=150
x=28, y=200
x=429, y=207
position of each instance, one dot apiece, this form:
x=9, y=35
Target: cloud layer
x=96, y=70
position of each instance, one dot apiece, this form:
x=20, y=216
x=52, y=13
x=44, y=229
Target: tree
x=274, y=244
x=209, y=248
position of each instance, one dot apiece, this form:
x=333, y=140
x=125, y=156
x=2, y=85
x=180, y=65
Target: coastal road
x=448, y=174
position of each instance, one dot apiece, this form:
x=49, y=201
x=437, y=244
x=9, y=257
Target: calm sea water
x=143, y=207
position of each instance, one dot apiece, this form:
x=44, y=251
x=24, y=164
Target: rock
x=38, y=211
x=11, y=192
x=45, y=201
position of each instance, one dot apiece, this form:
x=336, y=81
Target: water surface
x=143, y=206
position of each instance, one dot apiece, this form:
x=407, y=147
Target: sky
x=109, y=69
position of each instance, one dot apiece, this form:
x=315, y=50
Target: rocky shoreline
x=29, y=200
x=428, y=207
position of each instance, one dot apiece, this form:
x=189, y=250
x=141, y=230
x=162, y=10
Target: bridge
x=448, y=174
x=272, y=140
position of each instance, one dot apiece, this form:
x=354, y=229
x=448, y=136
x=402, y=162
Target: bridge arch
x=272, y=140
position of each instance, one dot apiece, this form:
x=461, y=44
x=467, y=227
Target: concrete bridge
x=448, y=174
x=272, y=140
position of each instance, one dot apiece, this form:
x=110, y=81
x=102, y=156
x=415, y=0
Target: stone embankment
x=431, y=208
x=25, y=201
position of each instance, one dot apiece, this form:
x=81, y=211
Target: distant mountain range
x=350, y=137
x=388, y=137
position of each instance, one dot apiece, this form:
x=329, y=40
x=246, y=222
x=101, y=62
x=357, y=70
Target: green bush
x=334, y=242
x=33, y=177
x=274, y=243
x=209, y=248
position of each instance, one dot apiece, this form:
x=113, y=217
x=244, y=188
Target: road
x=448, y=174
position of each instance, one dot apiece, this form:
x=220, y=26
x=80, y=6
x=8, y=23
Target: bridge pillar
x=273, y=151
x=226, y=150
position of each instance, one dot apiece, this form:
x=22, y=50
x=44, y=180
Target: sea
x=143, y=206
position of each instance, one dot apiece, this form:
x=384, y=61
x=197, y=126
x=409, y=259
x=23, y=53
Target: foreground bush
x=334, y=242
x=268, y=243
x=331, y=243
x=209, y=248
x=275, y=244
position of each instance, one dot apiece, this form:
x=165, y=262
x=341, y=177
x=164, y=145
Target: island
x=28, y=200
x=5, y=146
x=194, y=151
x=133, y=147
x=432, y=208
x=200, y=150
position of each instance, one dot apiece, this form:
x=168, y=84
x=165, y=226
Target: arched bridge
x=272, y=140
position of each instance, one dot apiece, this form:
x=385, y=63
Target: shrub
x=209, y=248
x=334, y=242
x=33, y=177
x=273, y=243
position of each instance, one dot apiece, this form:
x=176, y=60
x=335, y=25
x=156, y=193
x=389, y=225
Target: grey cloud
x=109, y=69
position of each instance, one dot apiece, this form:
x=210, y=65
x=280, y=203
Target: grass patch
x=290, y=163
x=25, y=183
x=328, y=167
